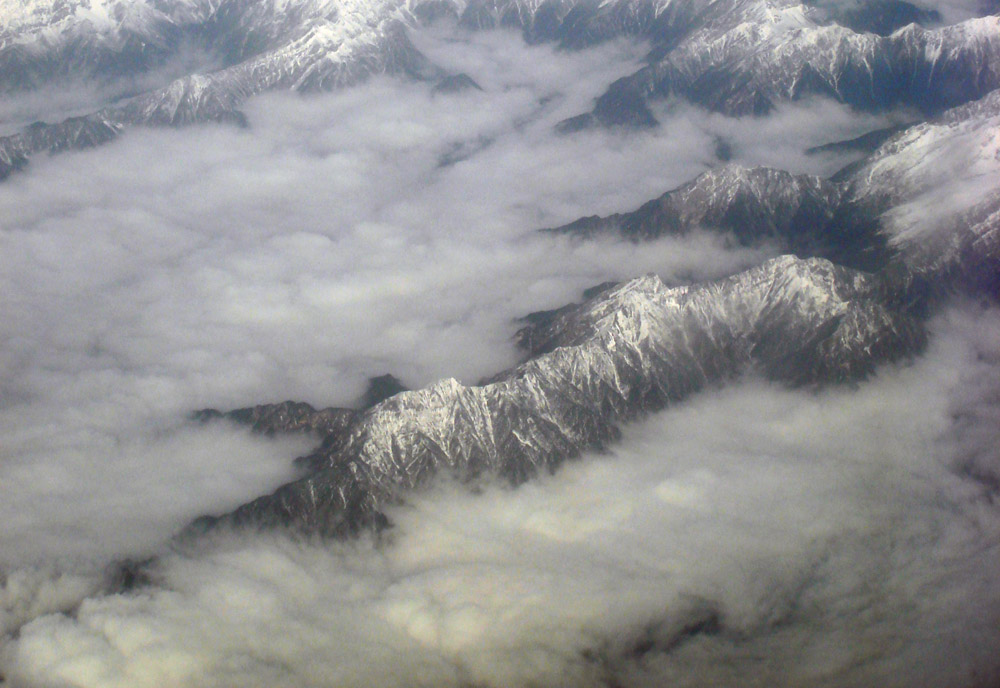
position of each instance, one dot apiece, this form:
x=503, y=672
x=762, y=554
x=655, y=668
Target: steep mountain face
x=44, y=41
x=297, y=416
x=638, y=346
x=72, y=134
x=666, y=22
x=803, y=214
x=873, y=244
x=630, y=350
x=261, y=46
x=927, y=199
x=934, y=189
x=574, y=24
x=753, y=205
x=760, y=54
x=877, y=16
x=866, y=143
x=196, y=61
x=284, y=417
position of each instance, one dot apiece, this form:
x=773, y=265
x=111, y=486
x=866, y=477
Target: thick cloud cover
x=827, y=536
x=388, y=229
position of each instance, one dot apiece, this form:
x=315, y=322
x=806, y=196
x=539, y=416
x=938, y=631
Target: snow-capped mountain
x=665, y=22
x=42, y=42
x=630, y=350
x=927, y=198
x=640, y=345
x=935, y=190
x=193, y=61
x=392, y=228
x=759, y=54
x=754, y=205
x=244, y=49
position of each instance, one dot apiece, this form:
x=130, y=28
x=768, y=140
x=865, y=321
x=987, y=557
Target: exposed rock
x=456, y=83
x=800, y=213
x=736, y=57
x=882, y=17
x=629, y=351
x=284, y=417
x=379, y=389
x=866, y=143
x=927, y=198
x=760, y=53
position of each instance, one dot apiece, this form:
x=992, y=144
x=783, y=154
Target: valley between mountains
x=626, y=343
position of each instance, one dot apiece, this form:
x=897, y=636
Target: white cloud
x=829, y=531
x=781, y=139
x=210, y=266
x=172, y=270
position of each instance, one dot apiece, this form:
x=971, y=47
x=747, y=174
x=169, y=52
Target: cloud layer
x=827, y=537
x=388, y=229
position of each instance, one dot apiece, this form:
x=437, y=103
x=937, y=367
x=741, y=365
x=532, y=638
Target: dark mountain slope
x=629, y=351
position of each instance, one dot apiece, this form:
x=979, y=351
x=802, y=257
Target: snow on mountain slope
x=628, y=351
x=761, y=53
x=309, y=46
x=937, y=187
x=928, y=198
x=732, y=57
x=273, y=43
x=754, y=205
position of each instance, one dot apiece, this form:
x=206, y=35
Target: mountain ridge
x=629, y=351
x=735, y=58
x=923, y=198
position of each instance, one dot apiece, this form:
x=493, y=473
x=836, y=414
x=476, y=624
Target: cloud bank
x=388, y=229
x=755, y=533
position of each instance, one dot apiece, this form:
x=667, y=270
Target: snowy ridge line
x=925, y=201
x=310, y=64
x=934, y=188
x=754, y=205
x=750, y=67
x=736, y=58
x=632, y=350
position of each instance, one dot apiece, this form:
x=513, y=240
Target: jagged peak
x=443, y=388
x=976, y=28
x=631, y=350
x=734, y=174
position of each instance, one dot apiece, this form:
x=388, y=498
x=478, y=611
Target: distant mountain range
x=194, y=61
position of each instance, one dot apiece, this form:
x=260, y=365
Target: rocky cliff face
x=631, y=350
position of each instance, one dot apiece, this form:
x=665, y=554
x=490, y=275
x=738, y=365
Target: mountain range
x=630, y=350
x=875, y=248
x=919, y=215
x=925, y=200
x=174, y=63
x=849, y=268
